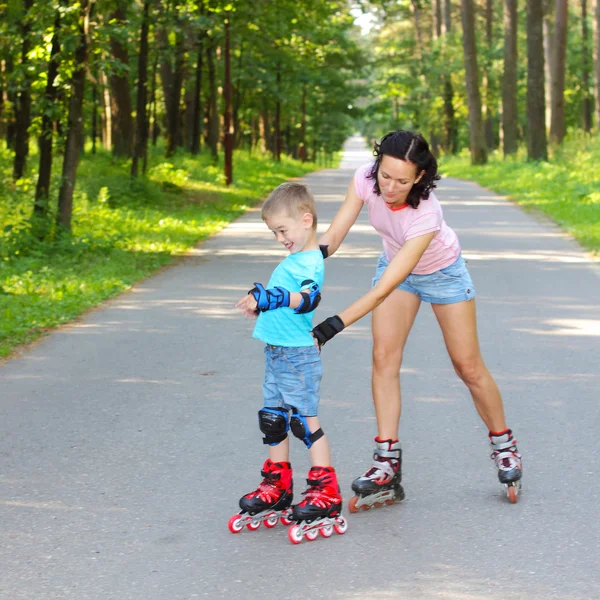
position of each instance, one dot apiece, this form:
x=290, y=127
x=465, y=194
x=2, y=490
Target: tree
x=477, y=137
x=75, y=120
x=121, y=117
x=587, y=107
x=141, y=128
x=23, y=97
x=557, y=120
x=450, y=133
x=597, y=63
x=45, y=142
x=509, y=83
x=537, y=145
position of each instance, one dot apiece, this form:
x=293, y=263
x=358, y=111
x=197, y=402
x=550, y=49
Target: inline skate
x=380, y=485
x=269, y=503
x=508, y=462
x=320, y=510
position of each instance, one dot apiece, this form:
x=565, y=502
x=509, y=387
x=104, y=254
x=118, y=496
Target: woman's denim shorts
x=447, y=286
x=293, y=379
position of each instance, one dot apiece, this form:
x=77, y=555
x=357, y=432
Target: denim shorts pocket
x=456, y=270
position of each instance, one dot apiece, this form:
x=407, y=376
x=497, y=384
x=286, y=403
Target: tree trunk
x=477, y=137
x=23, y=99
x=213, y=114
x=75, y=124
x=557, y=120
x=228, y=134
x=489, y=86
x=302, y=150
x=173, y=116
x=42, y=189
x=141, y=132
x=585, y=69
x=548, y=70
x=509, y=87
x=537, y=146
x=122, y=120
x=446, y=16
x=165, y=69
x=436, y=7
x=597, y=63
x=154, y=120
x=197, y=107
x=12, y=98
x=450, y=132
x=265, y=129
x=278, y=116
x=107, y=127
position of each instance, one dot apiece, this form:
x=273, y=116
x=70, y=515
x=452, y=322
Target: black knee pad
x=274, y=423
x=301, y=430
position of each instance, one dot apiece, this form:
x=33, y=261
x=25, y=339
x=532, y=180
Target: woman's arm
x=395, y=273
x=344, y=219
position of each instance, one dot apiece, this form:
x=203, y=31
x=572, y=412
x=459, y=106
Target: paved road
x=127, y=438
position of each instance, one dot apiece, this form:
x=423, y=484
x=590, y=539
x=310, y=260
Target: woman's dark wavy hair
x=411, y=147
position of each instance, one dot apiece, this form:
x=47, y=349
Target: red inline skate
x=268, y=503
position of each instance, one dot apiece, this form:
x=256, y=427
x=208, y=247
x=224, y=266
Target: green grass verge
x=123, y=231
x=566, y=189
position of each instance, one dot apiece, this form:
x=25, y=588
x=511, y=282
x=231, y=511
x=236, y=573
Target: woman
x=421, y=261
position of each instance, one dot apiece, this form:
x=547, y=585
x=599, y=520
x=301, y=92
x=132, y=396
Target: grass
x=123, y=231
x=566, y=189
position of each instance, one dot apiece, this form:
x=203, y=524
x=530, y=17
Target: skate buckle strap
x=384, y=467
x=512, y=443
x=387, y=453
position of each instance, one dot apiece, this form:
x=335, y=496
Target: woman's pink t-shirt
x=397, y=226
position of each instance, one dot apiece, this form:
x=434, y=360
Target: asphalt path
x=127, y=437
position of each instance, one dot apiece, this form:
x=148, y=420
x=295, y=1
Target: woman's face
x=396, y=178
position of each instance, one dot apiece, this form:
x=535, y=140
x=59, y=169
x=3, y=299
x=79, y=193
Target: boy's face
x=292, y=232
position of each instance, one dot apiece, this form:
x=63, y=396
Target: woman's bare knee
x=386, y=359
x=472, y=372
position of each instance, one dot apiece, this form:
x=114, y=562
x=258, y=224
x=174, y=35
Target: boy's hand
x=248, y=306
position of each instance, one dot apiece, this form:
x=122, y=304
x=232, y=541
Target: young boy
x=292, y=376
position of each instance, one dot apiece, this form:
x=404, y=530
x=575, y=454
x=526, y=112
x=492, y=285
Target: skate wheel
x=341, y=526
x=511, y=492
x=295, y=534
x=326, y=531
x=312, y=535
x=285, y=521
x=271, y=522
x=389, y=502
x=352, y=504
x=235, y=524
x=253, y=525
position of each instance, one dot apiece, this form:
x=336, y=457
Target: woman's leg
x=392, y=322
x=459, y=327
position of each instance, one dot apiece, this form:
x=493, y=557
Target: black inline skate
x=320, y=510
x=380, y=485
x=508, y=462
x=269, y=503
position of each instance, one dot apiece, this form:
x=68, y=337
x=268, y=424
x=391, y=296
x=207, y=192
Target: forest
x=132, y=129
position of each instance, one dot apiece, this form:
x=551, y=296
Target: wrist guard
x=330, y=327
x=270, y=299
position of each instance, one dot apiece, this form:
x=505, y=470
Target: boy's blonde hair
x=292, y=199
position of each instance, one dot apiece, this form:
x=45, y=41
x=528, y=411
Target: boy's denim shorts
x=447, y=286
x=293, y=378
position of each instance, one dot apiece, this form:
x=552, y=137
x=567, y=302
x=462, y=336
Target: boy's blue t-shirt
x=283, y=327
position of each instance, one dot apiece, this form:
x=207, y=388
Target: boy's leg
x=319, y=452
x=281, y=452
